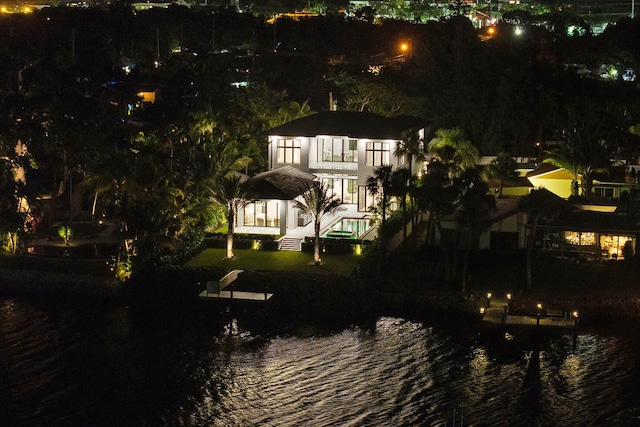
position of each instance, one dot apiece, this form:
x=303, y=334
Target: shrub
x=66, y=233
x=269, y=245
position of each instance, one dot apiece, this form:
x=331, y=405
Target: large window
x=288, y=151
x=345, y=189
x=612, y=246
x=338, y=150
x=262, y=214
x=377, y=154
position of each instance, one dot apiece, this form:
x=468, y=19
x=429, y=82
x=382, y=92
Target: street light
x=407, y=48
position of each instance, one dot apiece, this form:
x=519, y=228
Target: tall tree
x=474, y=216
x=317, y=202
x=291, y=111
x=539, y=204
x=399, y=185
x=413, y=147
x=454, y=151
x=568, y=157
x=378, y=185
x=502, y=168
x=595, y=160
x=13, y=215
x=583, y=152
x=230, y=191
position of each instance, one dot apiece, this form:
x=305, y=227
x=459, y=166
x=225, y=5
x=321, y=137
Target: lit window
x=377, y=154
x=339, y=150
x=262, y=214
x=288, y=151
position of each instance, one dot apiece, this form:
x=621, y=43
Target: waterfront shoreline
x=59, y=286
x=323, y=296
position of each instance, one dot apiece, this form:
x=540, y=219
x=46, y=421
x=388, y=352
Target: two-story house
x=339, y=148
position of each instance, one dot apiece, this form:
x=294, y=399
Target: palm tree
x=539, y=203
x=378, y=185
x=399, y=184
x=474, y=216
x=12, y=197
x=291, y=111
x=454, y=151
x=595, y=160
x=230, y=191
x=583, y=151
x=317, y=202
x=412, y=146
x=502, y=168
x=566, y=156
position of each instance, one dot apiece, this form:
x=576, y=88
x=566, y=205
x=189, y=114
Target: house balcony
x=341, y=166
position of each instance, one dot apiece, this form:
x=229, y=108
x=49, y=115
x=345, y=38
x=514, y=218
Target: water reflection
x=114, y=365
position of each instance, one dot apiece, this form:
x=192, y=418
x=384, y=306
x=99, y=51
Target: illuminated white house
x=339, y=148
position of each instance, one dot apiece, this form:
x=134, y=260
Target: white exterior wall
x=309, y=161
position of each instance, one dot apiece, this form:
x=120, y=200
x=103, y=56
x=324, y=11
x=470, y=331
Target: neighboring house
x=614, y=182
x=519, y=186
x=342, y=148
x=507, y=231
x=596, y=227
x=139, y=6
x=555, y=179
x=607, y=185
x=584, y=232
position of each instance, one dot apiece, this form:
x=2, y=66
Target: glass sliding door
x=262, y=214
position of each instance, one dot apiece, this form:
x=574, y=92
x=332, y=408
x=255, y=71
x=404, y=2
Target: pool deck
x=350, y=211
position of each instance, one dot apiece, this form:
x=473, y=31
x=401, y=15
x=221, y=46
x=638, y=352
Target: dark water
x=116, y=366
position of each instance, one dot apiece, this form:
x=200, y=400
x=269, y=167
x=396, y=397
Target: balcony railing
x=346, y=166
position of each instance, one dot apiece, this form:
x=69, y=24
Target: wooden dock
x=238, y=295
x=497, y=315
x=215, y=290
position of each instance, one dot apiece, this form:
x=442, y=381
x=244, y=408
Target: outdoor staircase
x=290, y=244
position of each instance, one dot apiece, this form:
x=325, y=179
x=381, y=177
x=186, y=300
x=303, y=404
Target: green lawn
x=341, y=265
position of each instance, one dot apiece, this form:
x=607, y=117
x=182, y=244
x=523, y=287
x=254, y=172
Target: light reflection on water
x=114, y=366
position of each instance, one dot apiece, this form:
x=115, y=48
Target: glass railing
x=347, y=166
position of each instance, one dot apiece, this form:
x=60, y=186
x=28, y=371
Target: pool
x=347, y=228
